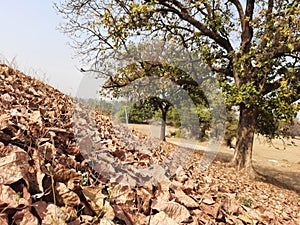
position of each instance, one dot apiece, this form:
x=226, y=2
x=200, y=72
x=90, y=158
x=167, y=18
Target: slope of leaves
x=47, y=174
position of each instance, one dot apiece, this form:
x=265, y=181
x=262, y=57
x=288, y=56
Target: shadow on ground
x=283, y=179
x=279, y=178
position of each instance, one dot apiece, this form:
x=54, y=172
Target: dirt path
x=279, y=161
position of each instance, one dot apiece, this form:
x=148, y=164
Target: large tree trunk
x=242, y=158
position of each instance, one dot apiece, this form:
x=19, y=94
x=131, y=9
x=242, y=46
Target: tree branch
x=239, y=8
x=285, y=49
x=247, y=32
x=183, y=14
x=268, y=20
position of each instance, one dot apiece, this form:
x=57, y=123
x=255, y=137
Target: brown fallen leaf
x=161, y=218
x=231, y=206
x=246, y=219
x=14, y=166
x=62, y=174
x=37, y=171
x=144, y=199
x=212, y=210
x=121, y=214
x=65, y=196
x=253, y=214
x=174, y=210
x=8, y=197
x=185, y=199
x=95, y=198
x=24, y=217
x=109, y=211
x=4, y=120
x=86, y=219
x=122, y=194
x=55, y=129
x=48, y=150
x=106, y=222
x=56, y=215
x=3, y=219
x=35, y=117
x=40, y=208
x=181, y=176
x=207, y=199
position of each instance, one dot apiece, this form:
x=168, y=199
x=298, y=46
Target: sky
x=30, y=35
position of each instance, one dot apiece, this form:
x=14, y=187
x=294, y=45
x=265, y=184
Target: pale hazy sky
x=29, y=33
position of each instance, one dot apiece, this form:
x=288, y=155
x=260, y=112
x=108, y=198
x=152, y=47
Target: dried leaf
x=3, y=219
x=174, y=210
x=109, y=211
x=212, y=210
x=185, y=200
x=207, y=199
x=54, y=216
x=4, y=118
x=61, y=174
x=95, y=198
x=123, y=215
x=122, y=194
x=8, y=197
x=24, y=217
x=231, y=205
x=66, y=196
x=14, y=166
x=35, y=117
x=245, y=219
x=39, y=175
x=48, y=150
x=144, y=199
x=161, y=218
x=106, y=222
x=40, y=208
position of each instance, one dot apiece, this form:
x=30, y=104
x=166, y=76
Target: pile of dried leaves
x=48, y=152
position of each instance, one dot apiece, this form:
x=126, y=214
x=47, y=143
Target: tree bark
x=163, y=124
x=242, y=158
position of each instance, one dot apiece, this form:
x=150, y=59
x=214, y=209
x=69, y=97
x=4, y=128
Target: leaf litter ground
x=48, y=176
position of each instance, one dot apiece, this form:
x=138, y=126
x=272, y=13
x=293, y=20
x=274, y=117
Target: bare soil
x=278, y=161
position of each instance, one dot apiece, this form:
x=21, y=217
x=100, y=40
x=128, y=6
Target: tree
x=162, y=94
x=163, y=105
x=254, y=48
x=144, y=110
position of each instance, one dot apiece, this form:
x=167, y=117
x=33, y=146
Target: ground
x=279, y=160
x=55, y=170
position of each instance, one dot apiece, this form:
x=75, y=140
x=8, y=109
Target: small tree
x=160, y=100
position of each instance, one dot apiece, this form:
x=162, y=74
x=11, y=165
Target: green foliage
x=137, y=113
x=173, y=118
